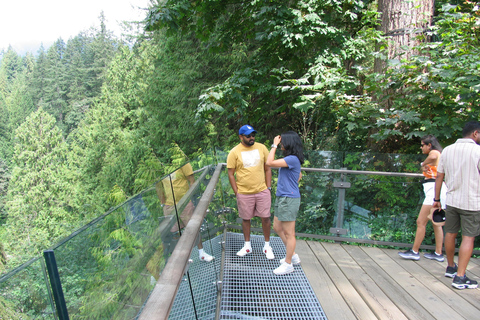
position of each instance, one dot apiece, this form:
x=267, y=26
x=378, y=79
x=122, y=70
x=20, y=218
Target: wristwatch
x=274, y=146
x=436, y=200
x=269, y=188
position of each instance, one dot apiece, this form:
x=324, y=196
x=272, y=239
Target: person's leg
x=289, y=230
x=246, y=209
x=278, y=228
x=452, y=226
x=450, y=247
x=464, y=253
x=266, y=227
x=438, y=231
x=422, y=220
x=246, y=229
x=263, y=204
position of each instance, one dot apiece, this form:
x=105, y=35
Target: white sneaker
x=244, y=251
x=206, y=257
x=284, y=269
x=295, y=259
x=268, y=252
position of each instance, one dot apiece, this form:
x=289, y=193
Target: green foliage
x=435, y=91
x=39, y=210
x=295, y=53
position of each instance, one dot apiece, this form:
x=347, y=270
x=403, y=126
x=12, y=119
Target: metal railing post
x=341, y=186
x=56, y=285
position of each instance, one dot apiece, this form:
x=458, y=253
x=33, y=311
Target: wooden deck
x=356, y=282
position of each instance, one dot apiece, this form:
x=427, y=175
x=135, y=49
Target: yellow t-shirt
x=179, y=182
x=249, y=165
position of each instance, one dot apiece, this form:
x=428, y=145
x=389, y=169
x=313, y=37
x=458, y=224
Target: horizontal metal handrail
x=161, y=299
x=373, y=173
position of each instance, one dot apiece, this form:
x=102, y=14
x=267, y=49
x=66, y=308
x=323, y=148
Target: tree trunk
x=403, y=21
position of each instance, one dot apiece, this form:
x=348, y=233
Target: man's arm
x=438, y=188
x=268, y=175
x=231, y=178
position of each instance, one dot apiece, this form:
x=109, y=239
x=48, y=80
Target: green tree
x=100, y=52
x=15, y=98
x=298, y=57
x=440, y=86
x=39, y=195
x=54, y=99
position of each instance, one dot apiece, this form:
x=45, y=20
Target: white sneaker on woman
x=295, y=259
x=284, y=269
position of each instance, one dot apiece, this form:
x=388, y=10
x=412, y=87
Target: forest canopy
x=91, y=118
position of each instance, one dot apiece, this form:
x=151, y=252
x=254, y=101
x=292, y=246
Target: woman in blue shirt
x=287, y=200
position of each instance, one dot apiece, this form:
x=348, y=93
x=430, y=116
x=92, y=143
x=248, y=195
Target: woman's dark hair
x=292, y=145
x=431, y=139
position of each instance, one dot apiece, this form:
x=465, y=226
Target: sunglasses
x=250, y=135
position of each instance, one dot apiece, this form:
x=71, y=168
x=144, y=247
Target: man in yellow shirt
x=252, y=186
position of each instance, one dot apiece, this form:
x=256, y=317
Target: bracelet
x=274, y=146
x=436, y=200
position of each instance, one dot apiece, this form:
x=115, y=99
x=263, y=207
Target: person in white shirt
x=459, y=166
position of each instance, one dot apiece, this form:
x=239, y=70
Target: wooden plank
x=406, y=274
x=449, y=294
x=475, y=261
x=432, y=275
x=356, y=303
x=396, y=294
x=473, y=269
x=327, y=294
x=375, y=298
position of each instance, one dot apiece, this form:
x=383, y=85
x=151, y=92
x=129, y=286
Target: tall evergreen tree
x=38, y=81
x=55, y=98
x=100, y=53
x=39, y=194
x=15, y=98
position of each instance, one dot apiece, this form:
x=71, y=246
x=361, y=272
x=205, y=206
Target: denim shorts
x=286, y=208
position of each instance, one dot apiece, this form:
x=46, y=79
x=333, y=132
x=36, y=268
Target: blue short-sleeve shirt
x=287, y=185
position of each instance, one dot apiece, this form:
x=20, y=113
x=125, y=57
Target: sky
x=26, y=24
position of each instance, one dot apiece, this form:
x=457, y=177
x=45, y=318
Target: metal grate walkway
x=252, y=291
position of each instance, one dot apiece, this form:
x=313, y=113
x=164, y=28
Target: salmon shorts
x=254, y=205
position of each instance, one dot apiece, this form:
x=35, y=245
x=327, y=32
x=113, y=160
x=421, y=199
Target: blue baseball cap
x=246, y=130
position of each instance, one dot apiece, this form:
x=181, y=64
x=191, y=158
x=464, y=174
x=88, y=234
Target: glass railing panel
x=25, y=293
x=382, y=208
x=197, y=294
x=379, y=207
x=221, y=155
x=385, y=162
x=109, y=267
x=318, y=207
x=375, y=207
x=323, y=159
